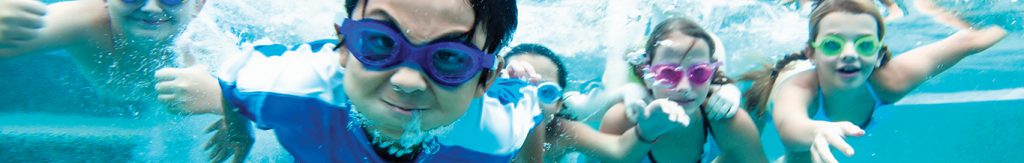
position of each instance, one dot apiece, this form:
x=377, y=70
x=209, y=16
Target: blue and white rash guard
x=298, y=93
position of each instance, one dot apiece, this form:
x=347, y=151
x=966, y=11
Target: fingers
x=720, y=108
x=815, y=158
x=523, y=71
x=850, y=129
x=168, y=99
x=670, y=113
x=714, y=109
x=681, y=116
x=215, y=126
x=516, y=70
x=222, y=155
x=167, y=88
x=664, y=108
x=219, y=154
x=166, y=74
x=655, y=105
x=242, y=152
x=169, y=93
x=240, y=156
x=34, y=7
x=820, y=146
x=839, y=143
x=19, y=34
x=634, y=109
x=211, y=143
x=732, y=109
x=26, y=21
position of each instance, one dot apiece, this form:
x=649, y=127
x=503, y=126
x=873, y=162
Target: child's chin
x=154, y=35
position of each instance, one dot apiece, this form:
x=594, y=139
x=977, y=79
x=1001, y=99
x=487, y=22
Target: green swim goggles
x=832, y=45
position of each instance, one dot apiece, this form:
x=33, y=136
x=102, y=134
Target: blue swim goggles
x=549, y=92
x=379, y=45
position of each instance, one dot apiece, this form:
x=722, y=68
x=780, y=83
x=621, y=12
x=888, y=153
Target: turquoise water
x=970, y=113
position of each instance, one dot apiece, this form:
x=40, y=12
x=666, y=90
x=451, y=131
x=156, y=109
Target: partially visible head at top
x=151, y=21
x=545, y=61
x=685, y=45
x=390, y=95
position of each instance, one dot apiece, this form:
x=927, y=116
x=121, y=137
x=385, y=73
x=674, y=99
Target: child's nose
x=407, y=80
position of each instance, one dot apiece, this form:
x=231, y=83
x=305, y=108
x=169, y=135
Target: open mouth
x=848, y=71
x=685, y=101
x=151, y=21
x=155, y=22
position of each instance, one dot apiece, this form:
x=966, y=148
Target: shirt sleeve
x=278, y=87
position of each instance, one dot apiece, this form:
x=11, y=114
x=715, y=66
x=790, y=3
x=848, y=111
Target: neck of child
x=843, y=95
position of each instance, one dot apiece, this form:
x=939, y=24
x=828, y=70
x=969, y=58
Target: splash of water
x=413, y=136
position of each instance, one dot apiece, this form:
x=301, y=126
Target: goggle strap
x=494, y=62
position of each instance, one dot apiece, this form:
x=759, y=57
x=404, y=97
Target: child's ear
x=491, y=77
x=340, y=47
x=343, y=55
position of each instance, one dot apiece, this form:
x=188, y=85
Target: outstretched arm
x=63, y=24
x=908, y=70
x=801, y=134
x=608, y=147
x=790, y=111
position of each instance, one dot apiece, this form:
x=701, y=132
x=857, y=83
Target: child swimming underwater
x=401, y=77
x=679, y=72
x=560, y=131
x=853, y=74
x=118, y=44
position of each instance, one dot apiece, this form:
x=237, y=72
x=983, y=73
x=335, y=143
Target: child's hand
x=723, y=104
x=20, y=21
x=521, y=70
x=659, y=117
x=189, y=90
x=233, y=138
x=635, y=97
x=832, y=134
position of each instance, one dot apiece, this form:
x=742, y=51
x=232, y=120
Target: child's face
x=388, y=96
x=151, y=20
x=548, y=71
x=848, y=68
x=673, y=50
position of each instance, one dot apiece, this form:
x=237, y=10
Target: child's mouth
x=403, y=110
x=848, y=71
x=685, y=101
x=151, y=22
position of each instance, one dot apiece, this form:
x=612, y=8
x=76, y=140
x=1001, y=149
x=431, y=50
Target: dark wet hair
x=499, y=19
x=759, y=93
x=540, y=50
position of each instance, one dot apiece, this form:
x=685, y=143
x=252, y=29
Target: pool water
x=969, y=113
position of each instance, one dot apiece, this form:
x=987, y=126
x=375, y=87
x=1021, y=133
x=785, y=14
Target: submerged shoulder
x=802, y=80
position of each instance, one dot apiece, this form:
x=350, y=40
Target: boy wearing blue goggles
x=398, y=77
